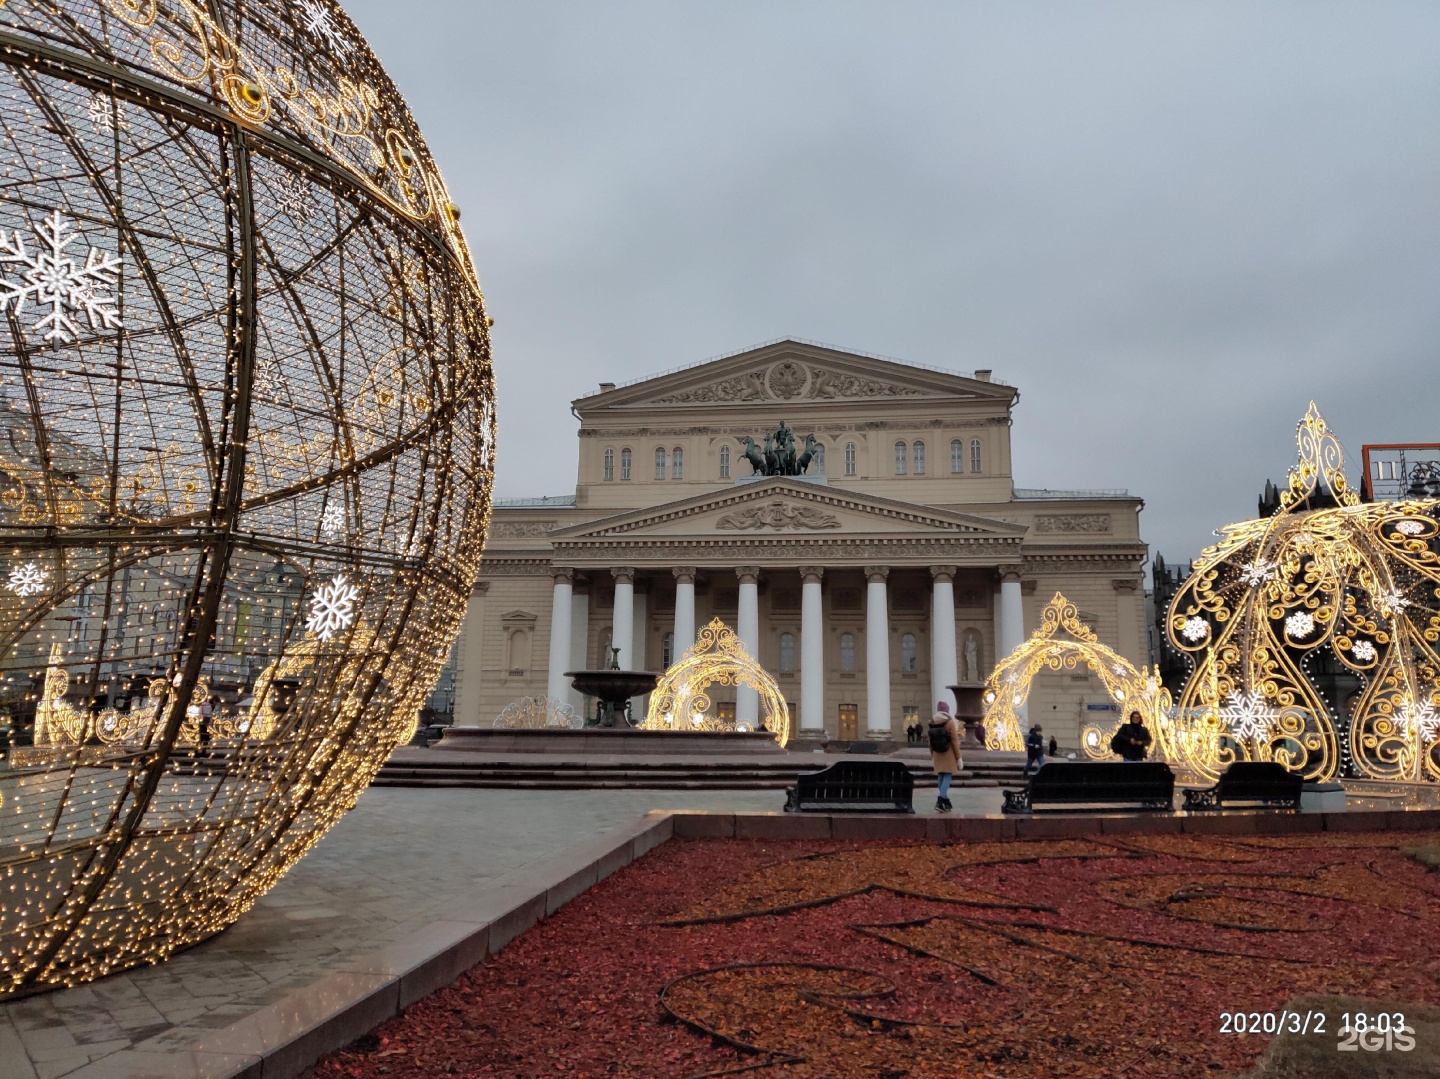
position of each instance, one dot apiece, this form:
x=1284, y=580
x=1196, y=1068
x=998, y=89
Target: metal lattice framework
x=718, y=658
x=1326, y=574
x=246, y=430
x=538, y=713
x=1062, y=643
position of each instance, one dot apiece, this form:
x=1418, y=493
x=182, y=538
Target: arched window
x=659, y=463
x=919, y=458
x=724, y=462
x=787, y=653
x=677, y=464
x=625, y=464
x=849, y=458
x=818, y=461
x=907, y=652
x=609, y=462
x=957, y=455
x=901, y=455
x=847, y=653
x=974, y=455
x=667, y=651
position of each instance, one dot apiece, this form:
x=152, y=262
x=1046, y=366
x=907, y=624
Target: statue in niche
x=778, y=455
x=972, y=658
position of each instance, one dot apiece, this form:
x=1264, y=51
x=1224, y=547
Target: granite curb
x=281, y=1040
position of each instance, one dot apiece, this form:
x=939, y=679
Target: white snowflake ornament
x=27, y=580
x=1258, y=573
x=1364, y=651
x=105, y=115
x=332, y=608
x=332, y=521
x=320, y=22
x=1248, y=716
x=1300, y=625
x=1409, y=528
x=293, y=196
x=1391, y=602
x=1195, y=629
x=1420, y=718
x=53, y=279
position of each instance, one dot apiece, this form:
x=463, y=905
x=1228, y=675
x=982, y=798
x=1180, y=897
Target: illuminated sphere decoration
x=246, y=431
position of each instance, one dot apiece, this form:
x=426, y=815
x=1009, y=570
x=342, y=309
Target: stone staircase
x=413, y=767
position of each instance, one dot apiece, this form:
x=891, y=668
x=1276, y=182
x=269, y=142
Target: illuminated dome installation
x=246, y=419
x=1327, y=580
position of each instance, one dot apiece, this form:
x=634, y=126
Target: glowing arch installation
x=1326, y=579
x=680, y=701
x=1063, y=643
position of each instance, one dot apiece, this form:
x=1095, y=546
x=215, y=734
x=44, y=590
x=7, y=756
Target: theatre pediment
x=791, y=508
x=792, y=372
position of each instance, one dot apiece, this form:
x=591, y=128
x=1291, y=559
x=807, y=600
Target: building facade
x=900, y=563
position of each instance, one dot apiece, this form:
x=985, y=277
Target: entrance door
x=849, y=723
x=726, y=712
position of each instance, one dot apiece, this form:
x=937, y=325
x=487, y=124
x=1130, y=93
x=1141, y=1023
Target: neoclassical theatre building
x=898, y=564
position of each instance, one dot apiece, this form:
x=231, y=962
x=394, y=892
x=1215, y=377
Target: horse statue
x=752, y=454
x=803, y=463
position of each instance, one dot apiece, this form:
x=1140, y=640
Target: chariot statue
x=777, y=455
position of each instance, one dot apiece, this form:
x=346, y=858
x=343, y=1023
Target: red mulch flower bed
x=1074, y=957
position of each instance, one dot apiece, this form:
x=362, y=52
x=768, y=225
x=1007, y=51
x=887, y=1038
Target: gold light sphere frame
x=246, y=431
x=1063, y=643
x=680, y=701
x=1327, y=578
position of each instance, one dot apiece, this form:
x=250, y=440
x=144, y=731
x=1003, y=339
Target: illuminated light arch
x=1063, y=643
x=680, y=701
x=1326, y=573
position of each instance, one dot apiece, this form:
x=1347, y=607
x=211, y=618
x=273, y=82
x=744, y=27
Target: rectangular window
x=659, y=464
x=677, y=464
x=901, y=458
x=609, y=464
x=849, y=458
x=919, y=458
x=625, y=461
x=724, y=462
x=957, y=456
x=974, y=455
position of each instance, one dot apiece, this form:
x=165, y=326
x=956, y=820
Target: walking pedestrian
x=1034, y=750
x=1132, y=740
x=944, y=751
x=1054, y=747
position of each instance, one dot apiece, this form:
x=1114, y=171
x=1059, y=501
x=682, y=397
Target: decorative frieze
x=521, y=528
x=1072, y=522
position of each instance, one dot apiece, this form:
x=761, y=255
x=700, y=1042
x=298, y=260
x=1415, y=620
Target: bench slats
x=1090, y=784
x=854, y=786
x=1263, y=784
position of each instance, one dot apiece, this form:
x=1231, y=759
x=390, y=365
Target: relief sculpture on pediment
x=780, y=515
x=787, y=381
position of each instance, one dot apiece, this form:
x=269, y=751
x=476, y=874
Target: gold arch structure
x=1326, y=573
x=1062, y=643
x=680, y=701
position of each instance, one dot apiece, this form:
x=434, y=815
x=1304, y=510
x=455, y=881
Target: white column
x=622, y=621
x=943, y=673
x=579, y=643
x=1010, y=621
x=747, y=701
x=684, y=610
x=877, y=652
x=558, y=686
x=812, y=651
x=468, y=675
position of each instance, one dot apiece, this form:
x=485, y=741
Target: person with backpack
x=944, y=752
x=1132, y=740
x=1034, y=750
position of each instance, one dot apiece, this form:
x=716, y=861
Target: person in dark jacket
x=1034, y=750
x=1054, y=747
x=1132, y=740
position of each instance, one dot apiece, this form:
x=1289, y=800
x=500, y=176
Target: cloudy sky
x=1170, y=225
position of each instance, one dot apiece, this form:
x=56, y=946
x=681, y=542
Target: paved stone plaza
x=401, y=861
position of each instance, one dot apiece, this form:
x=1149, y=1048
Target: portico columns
x=877, y=651
x=684, y=610
x=558, y=686
x=812, y=651
x=622, y=623
x=1010, y=620
x=747, y=701
x=943, y=673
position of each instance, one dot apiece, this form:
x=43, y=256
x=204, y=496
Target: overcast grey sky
x=1170, y=225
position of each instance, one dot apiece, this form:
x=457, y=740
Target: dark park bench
x=1096, y=785
x=853, y=787
x=1262, y=784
